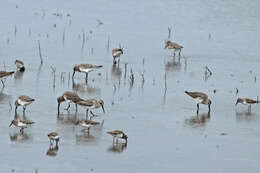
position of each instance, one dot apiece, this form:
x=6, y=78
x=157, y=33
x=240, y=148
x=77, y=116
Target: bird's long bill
x=236, y=103
x=103, y=108
x=11, y=124
x=165, y=46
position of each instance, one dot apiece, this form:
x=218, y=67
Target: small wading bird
x=200, y=98
x=85, y=68
x=69, y=97
x=116, y=53
x=174, y=46
x=118, y=134
x=23, y=101
x=91, y=104
x=19, y=65
x=4, y=74
x=247, y=101
x=21, y=123
x=86, y=124
x=53, y=136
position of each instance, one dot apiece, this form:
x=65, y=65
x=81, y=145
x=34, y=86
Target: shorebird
x=247, y=101
x=116, y=53
x=200, y=98
x=174, y=46
x=70, y=97
x=85, y=68
x=53, y=136
x=91, y=104
x=4, y=74
x=21, y=123
x=87, y=124
x=23, y=101
x=19, y=65
x=118, y=134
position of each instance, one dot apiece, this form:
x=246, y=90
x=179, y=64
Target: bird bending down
x=92, y=104
x=53, y=136
x=21, y=123
x=200, y=98
x=247, y=101
x=85, y=68
x=116, y=53
x=86, y=124
x=118, y=134
x=70, y=97
x=174, y=46
x=19, y=65
x=23, y=101
x=4, y=74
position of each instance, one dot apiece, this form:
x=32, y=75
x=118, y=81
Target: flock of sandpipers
x=91, y=104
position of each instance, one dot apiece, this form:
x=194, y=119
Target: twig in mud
x=54, y=75
x=83, y=40
x=15, y=30
x=108, y=43
x=63, y=38
x=125, y=70
x=169, y=32
x=10, y=106
x=29, y=32
x=40, y=52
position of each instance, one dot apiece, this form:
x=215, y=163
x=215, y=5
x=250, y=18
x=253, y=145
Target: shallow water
x=165, y=134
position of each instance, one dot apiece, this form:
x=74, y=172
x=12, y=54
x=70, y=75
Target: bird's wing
x=26, y=98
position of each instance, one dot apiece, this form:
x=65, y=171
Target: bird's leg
x=113, y=139
x=180, y=53
x=117, y=140
x=198, y=107
x=94, y=115
x=86, y=77
x=174, y=53
x=76, y=107
x=21, y=130
x=87, y=114
x=68, y=107
x=24, y=109
x=118, y=61
x=3, y=83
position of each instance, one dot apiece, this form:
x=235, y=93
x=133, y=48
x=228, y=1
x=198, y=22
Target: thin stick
x=40, y=52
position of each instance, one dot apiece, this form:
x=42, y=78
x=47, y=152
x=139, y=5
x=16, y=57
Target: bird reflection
x=172, y=66
x=198, y=120
x=67, y=119
x=92, y=137
x=116, y=72
x=19, y=137
x=117, y=148
x=85, y=88
x=52, y=151
x=244, y=116
x=18, y=75
x=4, y=97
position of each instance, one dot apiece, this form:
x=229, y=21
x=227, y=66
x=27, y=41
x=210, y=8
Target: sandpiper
x=174, y=46
x=53, y=136
x=23, y=101
x=118, y=134
x=116, y=53
x=87, y=124
x=21, y=123
x=85, y=68
x=19, y=65
x=247, y=101
x=200, y=98
x=91, y=104
x=70, y=97
x=4, y=74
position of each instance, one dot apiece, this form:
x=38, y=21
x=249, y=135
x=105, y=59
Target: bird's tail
x=99, y=66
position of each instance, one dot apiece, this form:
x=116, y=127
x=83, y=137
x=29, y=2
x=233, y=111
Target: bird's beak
x=103, y=108
x=165, y=46
x=236, y=103
x=11, y=124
